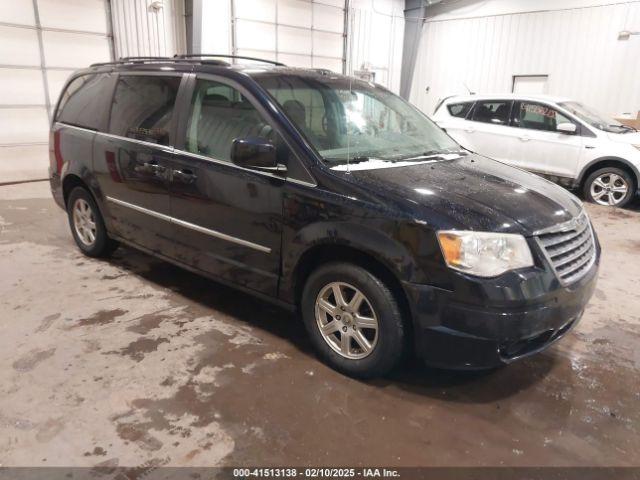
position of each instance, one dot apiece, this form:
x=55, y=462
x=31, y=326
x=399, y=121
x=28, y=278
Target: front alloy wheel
x=346, y=320
x=354, y=320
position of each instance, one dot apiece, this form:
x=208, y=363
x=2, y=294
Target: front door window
x=536, y=116
x=219, y=115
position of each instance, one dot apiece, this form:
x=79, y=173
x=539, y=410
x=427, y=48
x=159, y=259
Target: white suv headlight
x=484, y=254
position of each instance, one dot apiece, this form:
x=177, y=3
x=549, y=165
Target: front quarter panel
x=319, y=217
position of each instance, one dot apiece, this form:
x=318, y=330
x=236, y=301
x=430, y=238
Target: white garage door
x=148, y=27
x=299, y=33
x=41, y=43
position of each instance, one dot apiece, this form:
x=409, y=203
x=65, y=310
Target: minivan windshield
x=595, y=119
x=351, y=120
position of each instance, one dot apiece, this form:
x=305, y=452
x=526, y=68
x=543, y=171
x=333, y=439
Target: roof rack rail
x=216, y=55
x=133, y=59
x=323, y=71
x=142, y=60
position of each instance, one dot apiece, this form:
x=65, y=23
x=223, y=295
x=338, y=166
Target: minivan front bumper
x=460, y=333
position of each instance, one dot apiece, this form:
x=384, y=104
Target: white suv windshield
x=594, y=118
x=354, y=121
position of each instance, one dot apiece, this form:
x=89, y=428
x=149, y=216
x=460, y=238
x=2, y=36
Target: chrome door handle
x=185, y=175
x=154, y=167
x=525, y=138
x=150, y=167
x=469, y=130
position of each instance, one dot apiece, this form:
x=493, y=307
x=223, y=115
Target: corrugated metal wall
x=577, y=48
x=300, y=33
x=308, y=33
x=148, y=27
x=375, y=39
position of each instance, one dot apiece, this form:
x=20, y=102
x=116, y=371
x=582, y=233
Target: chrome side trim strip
x=164, y=148
x=137, y=208
x=301, y=182
x=192, y=226
x=189, y=154
x=74, y=127
x=223, y=236
x=227, y=164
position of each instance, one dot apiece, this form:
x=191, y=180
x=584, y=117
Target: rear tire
x=609, y=186
x=87, y=225
x=354, y=320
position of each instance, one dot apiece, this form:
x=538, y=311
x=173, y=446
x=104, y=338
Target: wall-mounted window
x=530, y=84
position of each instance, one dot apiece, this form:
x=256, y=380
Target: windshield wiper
x=626, y=128
x=430, y=154
x=355, y=159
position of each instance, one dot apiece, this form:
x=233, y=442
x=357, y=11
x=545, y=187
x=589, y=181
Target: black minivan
x=328, y=195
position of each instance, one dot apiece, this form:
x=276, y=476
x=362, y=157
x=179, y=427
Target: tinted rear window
x=459, y=109
x=492, y=111
x=143, y=106
x=85, y=102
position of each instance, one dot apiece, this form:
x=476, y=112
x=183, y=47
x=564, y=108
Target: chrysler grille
x=570, y=248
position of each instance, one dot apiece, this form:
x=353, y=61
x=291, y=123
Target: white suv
x=558, y=138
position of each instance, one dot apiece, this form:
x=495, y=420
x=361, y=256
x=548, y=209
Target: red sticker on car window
x=538, y=110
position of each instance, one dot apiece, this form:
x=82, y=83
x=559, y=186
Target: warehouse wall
x=301, y=33
x=307, y=33
x=148, y=27
x=484, y=44
x=36, y=39
x=376, y=40
x=43, y=41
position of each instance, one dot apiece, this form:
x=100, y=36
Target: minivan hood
x=475, y=193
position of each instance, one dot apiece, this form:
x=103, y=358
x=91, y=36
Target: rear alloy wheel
x=84, y=222
x=87, y=225
x=609, y=186
x=354, y=320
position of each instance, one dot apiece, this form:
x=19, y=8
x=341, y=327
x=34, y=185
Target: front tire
x=87, y=225
x=354, y=320
x=609, y=186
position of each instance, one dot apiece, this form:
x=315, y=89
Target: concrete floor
x=133, y=361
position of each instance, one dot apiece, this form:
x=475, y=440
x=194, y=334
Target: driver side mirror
x=566, y=127
x=256, y=153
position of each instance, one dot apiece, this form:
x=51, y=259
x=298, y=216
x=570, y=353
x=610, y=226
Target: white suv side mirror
x=566, y=127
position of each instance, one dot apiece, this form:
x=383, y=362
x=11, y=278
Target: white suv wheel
x=609, y=186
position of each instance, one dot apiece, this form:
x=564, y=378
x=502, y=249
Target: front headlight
x=484, y=254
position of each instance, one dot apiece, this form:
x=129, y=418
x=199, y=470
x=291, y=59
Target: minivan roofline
x=212, y=63
x=506, y=96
